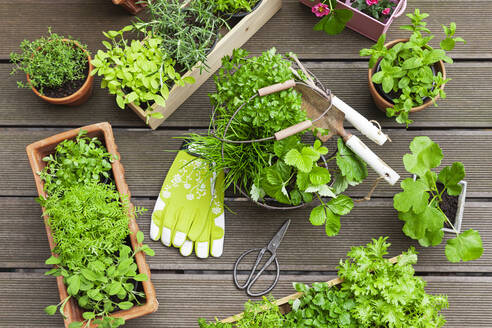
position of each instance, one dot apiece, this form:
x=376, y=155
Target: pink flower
x=372, y=2
x=321, y=10
x=386, y=11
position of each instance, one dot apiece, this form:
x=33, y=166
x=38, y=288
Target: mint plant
x=405, y=70
x=138, y=72
x=333, y=20
x=50, y=62
x=419, y=203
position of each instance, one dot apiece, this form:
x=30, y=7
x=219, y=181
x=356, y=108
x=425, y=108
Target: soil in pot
x=449, y=206
x=395, y=95
x=68, y=88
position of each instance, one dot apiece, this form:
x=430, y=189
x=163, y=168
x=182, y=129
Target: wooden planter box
x=35, y=152
x=283, y=303
x=233, y=39
x=365, y=24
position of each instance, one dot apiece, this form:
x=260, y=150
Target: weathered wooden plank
x=185, y=298
x=291, y=30
x=305, y=248
x=146, y=157
x=468, y=103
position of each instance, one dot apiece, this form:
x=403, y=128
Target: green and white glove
x=185, y=213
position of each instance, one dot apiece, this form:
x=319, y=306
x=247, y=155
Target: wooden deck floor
x=189, y=288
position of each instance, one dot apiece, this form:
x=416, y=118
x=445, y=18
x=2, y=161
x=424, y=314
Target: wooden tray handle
x=282, y=134
x=276, y=88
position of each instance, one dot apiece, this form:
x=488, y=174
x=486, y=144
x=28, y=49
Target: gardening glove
x=187, y=213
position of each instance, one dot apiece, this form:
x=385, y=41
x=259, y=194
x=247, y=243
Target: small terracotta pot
x=382, y=103
x=80, y=96
x=35, y=152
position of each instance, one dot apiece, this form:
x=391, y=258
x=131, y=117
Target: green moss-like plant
x=50, y=62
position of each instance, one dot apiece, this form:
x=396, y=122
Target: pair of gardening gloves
x=189, y=212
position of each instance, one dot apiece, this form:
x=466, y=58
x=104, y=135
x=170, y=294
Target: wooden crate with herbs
x=229, y=40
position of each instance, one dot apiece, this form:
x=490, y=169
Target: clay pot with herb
x=408, y=75
x=57, y=69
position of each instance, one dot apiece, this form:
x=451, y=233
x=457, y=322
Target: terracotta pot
x=77, y=98
x=35, y=152
x=382, y=103
x=131, y=5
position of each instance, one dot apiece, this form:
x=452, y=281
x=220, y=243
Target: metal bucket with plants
x=263, y=108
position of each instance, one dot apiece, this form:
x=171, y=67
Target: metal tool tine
x=277, y=239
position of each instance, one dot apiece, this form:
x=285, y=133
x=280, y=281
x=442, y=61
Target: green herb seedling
x=405, y=69
x=418, y=204
x=138, y=72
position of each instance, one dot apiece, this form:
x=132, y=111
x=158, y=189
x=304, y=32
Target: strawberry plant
x=333, y=20
x=138, y=72
x=404, y=72
x=419, y=203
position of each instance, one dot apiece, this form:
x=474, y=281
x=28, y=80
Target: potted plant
x=58, y=69
x=196, y=53
x=431, y=202
x=408, y=75
x=95, y=241
x=290, y=171
x=137, y=72
x=132, y=6
x=370, y=18
x=370, y=291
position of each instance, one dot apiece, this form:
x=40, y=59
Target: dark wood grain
x=185, y=298
x=147, y=155
x=467, y=105
x=290, y=30
x=305, y=247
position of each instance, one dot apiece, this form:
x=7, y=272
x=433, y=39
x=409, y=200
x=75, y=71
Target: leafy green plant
x=419, y=203
x=138, y=72
x=89, y=224
x=83, y=160
x=321, y=305
x=405, y=70
x=386, y=294
x=234, y=6
x=374, y=292
x=333, y=20
x=187, y=33
x=50, y=62
x=256, y=314
x=290, y=171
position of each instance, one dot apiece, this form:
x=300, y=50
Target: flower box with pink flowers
x=370, y=18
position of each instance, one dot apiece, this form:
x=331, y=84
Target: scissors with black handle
x=272, y=249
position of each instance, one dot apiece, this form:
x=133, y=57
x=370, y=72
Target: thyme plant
x=50, y=62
